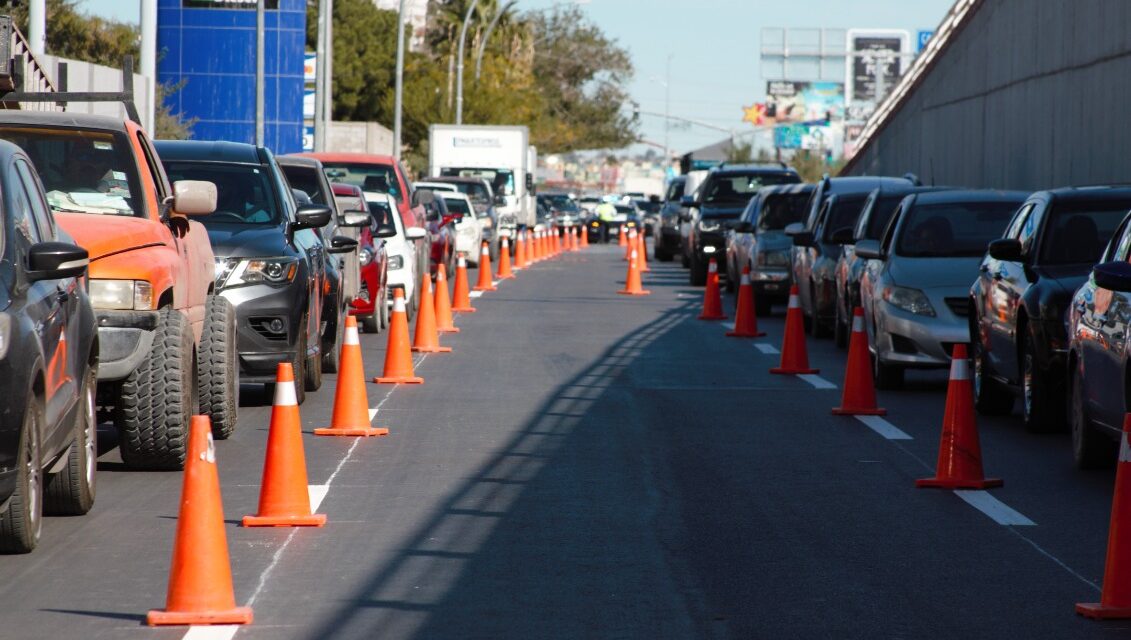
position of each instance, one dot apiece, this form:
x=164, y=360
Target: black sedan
x=48, y=363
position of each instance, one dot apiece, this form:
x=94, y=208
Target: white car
x=469, y=229
x=400, y=249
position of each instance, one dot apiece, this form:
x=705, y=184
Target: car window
x=501, y=180
x=889, y=230
x=21, y=214
x=40, y=213
x=881, y=215
x=1028, y=232
x=1124, y=242
x=384, y=214
x=243, y=192
x=780, y=210
x=457, y=205
x=1078, y=231
x=739, y=188
x=952, y=229
x=378, y=178
x=843, y=212
x=675, y=190
x=751, y=210
x=865, y=214
x=306, y=180
x=1015, y=225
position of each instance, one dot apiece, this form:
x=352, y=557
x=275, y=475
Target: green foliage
x=811, y=166
x=364, y=57
x=76, y=35
x=741, y=152
x=166, y=124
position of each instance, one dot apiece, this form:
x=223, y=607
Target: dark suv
x=666, y=231
x=48, y=363
x=270, y=263
x=1020, y=299
x=716, y=207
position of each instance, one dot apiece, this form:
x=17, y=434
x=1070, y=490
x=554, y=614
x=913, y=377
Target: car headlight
x=708, y=226
x=773, y=259
x=249, y=271
x=121, y=294
x=908, y=299
x=365, y=256
x=396, y=262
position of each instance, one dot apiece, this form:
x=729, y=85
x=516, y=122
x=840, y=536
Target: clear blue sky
x=714, y=44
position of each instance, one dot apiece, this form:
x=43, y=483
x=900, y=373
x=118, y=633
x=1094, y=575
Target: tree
x=166, y=124
x=365, y=51
x=76, y=35
x=740, y=152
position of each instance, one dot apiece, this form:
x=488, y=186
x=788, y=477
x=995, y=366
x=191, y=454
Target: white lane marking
x=997, y=510
x=883, y=427
x=729, y=325
x=767, y=349
x=495, y=283
x=212, y=632
x=475, y=294
x=317, y=495
x=817, y=381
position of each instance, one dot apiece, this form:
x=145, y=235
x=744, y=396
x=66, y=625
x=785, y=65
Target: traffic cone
x=398, y=355
x=584, y=237
x=574, y=241
x=622, y=237
x=712, y=300
x=559, y=240
x=200, y=579
x=351, y=402
x=461, y=298
x=520, y=252
x=485, y=283
x=630, y=243
x=745, y=317
x=642, y=256
x=505, y=272
x=427, y=338
x=1115, y=598
x=794, y=354
x=632, y=285
x=859, y=397
x=444, y=321
x=960, y=455
x=536, y=245
x=284, y=499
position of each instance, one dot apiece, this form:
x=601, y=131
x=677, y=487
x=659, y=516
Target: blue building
x=210, y=45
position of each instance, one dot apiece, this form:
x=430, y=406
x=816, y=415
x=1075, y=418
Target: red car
x=369, y=306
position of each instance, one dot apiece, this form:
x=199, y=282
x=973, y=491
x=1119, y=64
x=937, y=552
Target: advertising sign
x=309, y=66
x=308, y=138
x=308, y=104
x=876, y=63
x=921, y=39
x=789, y=102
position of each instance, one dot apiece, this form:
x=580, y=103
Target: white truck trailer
x=500, y=154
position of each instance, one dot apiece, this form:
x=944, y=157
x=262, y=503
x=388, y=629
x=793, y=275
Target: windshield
x=844, y=213
x=82, y=171
x=477, y=191
x=379, y=178
x=305, y=179
x=782, y=209
x=675, y=191
x=383, y=214
x=243, y=192
x=561, y=202
x=457, y=205
x=953, y=229
x=1078, y=231
x=737, y=189
x=502, y=180
x=881, y=215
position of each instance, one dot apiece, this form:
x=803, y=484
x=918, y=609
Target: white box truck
x=500, y=154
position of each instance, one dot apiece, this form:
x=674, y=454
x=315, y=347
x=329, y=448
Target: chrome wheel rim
x=34, y=475
x=1027, y=387
x=90, y=447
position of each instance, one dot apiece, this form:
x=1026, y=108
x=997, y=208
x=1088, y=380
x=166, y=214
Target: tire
x=383, y=314
x=1090, y=449
x=331, y=350
x=299, y=363
x=730, y=288
x=22, y=522
x=219, y=368
x=156, y=401
x=312, y=371
x=990, y=397
x=887, y=376
x=1042, y=410
x=697, y=275
x=659, y=252
x=370, y=323
x=684, y=260
x=70, y=492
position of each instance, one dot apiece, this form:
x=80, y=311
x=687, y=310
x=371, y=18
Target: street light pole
x=260, y=72
x=487, y=36
x=399, y=95
x=459, y=62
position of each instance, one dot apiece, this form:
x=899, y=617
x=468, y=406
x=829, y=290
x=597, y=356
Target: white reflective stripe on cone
x=794, y=301
x=462, y=261
x=285, y=394
x=857, y=324
x=744, y=281
x=398, y=305
x=712, y=267
x=1124, y=449
x=959, y=369
x=351, y=336
x=506, y=244
x=484, y=251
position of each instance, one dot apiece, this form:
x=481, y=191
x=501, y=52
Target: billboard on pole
x=788, y=101
x=876, y=62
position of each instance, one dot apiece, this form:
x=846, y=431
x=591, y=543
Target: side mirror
x=842, y=235
x=341, y=244
x=387, y=230
x=794, y=227
x=803, y=239
x=869, y=250
x=194, y=197
x=1006, y=249
x=356, y=218
x=687, y=201
x=422, y=196
x=415, y=233
x=1114, y=276
x=56, y=260
x=312, y=216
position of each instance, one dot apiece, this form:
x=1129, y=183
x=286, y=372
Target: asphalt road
x=589, y=465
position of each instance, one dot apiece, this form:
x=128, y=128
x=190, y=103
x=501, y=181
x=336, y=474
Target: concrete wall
x=360, y=137
x=1030, y=94
x=84, y=76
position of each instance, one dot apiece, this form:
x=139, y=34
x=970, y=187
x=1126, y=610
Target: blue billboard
x=209, y=45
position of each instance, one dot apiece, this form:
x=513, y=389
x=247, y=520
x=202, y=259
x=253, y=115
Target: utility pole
x=487, y=36
x=322, y=83
x=148, y=52
x=260, y=71
x=37, y=26
x=459, y=62
x=399, y=95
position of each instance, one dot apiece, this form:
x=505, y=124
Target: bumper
x=260, y=348
x=917, y=341
x=124, y=339
x=772, y=283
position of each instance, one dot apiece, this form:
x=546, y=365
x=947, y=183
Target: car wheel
x=312, y=371
x=658, y=250
x=22, y=521
x=697, y=275
x=990, y=397
x=383, y=314
x=331, y=349
x=886, y=376
x=730, y=278
x=157, y=399
x=370, y=323
x=685, y=260
x=218, y=367
x=1040, y=411
x=298, y=364
x=1090, y=450
x=70, y=492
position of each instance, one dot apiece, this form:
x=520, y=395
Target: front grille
x=901, y=344
x=958, y=306
x=260, y=325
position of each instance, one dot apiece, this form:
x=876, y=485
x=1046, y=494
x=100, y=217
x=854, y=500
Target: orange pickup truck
x=166, y=344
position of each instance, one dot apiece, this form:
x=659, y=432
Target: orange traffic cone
x=960, y=454
x=1115, y=599
x=632, y=285
x=444, y=321
x=398, y=355
x=461, y=302
x=745, y=316
x=622, y=237
x=559, y=240
x=642, y=256
x=485, y=283
x=712, y=300
x=351, y=402
x=427, y=338
x=200, y=579
x=505, y=272
x=535, y=246
x=584, y=237
x=520, y=252
x=630, y=243
x=284, y=499
x=574, y=241
x=794, y=354
x=859, y=397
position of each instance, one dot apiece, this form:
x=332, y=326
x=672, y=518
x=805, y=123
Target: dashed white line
x=475, y=294
x=997, y=510
x=767, y=349
x=212, y=632
x=317, y=495
x=817, y=381
x=884, y=428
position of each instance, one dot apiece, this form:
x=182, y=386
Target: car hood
x=774, y=241
x=248, y=241
x=104, y=235
x=931, y=273
x=721, y=210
